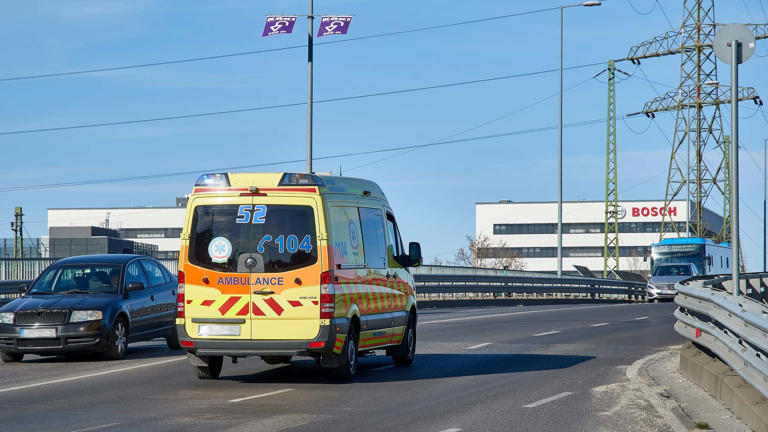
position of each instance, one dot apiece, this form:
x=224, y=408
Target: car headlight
x=6, y=317
x=85, y=315
x=651, y=287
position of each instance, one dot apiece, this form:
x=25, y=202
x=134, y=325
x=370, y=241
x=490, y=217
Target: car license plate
x=218, y=330
x=38, y=333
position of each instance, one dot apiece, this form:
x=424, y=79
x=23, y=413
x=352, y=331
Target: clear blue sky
x=433, y=189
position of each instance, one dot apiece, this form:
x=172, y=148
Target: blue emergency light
x=220, y=179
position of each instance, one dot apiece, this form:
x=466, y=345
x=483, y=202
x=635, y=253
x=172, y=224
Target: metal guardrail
x=733, y=328
x=11, y=289
x=457, y=286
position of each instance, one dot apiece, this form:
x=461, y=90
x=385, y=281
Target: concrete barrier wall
x=714, y=376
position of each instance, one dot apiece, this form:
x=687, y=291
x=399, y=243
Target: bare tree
x=482, y=252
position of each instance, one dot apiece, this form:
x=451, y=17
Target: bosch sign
x=654, y=211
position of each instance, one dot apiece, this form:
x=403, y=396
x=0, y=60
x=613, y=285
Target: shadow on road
x=157, y=350
x=426, y=366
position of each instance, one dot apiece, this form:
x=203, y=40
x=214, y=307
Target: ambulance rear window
x=276, y=238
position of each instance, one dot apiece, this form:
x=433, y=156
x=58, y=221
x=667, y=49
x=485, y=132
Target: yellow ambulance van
x=279, y=265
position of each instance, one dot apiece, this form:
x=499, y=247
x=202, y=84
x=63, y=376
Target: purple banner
x=331, y=25
x=278, y=24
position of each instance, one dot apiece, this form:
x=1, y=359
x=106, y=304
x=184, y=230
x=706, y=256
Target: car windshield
x=673, y=270
x=78, y=279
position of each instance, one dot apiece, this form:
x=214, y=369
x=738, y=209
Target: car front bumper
x=69, y=338
x=658, y=294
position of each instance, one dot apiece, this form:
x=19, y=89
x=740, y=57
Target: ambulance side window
x=395, y=251
x=374, y=239
x=345, y=234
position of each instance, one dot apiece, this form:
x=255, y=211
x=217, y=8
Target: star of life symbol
x=353, y=242
x=219, y=249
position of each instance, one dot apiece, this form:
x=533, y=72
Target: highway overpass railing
x=439, y=285
x=436, y=286
x=735, y=328
x=11, y=289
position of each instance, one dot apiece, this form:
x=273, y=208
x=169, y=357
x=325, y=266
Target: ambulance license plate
x=218, y=330
x=37, y=333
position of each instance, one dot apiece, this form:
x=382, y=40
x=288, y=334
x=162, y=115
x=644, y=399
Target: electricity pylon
x=698, y=125
x=611, y=243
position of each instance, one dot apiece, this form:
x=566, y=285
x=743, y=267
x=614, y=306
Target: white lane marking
x=381, y=368
x=261, y=395
x=599, y=325
x=514, y=313
x=93, y=428
x=547, y=333
x=90, y=375
x=639, y=318
x=478, y=346
x=548, y=400
x=450, y=430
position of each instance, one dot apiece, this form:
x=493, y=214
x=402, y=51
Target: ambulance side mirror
x=414, y=254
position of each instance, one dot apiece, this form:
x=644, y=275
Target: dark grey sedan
x=91, y=303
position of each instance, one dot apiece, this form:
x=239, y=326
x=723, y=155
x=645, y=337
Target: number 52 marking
x=244, y=214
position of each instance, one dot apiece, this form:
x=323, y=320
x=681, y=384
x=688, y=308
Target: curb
x=714, y=376
x=652, y=391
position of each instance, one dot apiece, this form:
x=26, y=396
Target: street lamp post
x=560, y=145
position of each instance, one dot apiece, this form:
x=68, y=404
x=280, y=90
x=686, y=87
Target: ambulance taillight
x=180, y=302
x=327, y=295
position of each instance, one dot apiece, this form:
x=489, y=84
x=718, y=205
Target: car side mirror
x=414, y=254
x=645, y=255
x=136, y=286
x=23, y=288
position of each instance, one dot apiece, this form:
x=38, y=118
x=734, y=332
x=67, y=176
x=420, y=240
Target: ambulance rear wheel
x=407, y=351
x=348, y=369
x=212, y=370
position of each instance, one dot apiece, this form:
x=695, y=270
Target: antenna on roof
x=340, y=171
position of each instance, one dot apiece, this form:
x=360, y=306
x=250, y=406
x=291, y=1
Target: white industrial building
x=528, y=230
x=160, y=226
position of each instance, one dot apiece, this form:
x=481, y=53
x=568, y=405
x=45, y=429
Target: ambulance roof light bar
x=220, y=179
x=300, y=179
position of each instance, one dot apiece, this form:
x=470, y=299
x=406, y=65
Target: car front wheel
x=118, y=340
x=11, y=357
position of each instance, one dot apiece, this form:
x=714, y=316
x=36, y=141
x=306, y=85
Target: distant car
x=91, y=303
x=661, y=286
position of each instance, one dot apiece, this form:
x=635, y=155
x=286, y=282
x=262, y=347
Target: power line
x=638, y=11
x=484, y=123
x=665, y=15
x=287, y=105
x=247, y=53
x=284, y=162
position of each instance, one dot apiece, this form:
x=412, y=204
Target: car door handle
x=152, y=297
x=264, y=292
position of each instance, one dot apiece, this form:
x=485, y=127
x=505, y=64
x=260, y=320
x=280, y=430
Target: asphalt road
x=536, y=368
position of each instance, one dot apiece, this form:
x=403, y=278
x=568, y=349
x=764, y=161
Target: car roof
x=100, y=259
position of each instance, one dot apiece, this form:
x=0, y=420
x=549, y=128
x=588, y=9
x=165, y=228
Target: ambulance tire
x=212, y=371
x=172, y=340
x=407, y=352
x=8, y=357
x=347, y=371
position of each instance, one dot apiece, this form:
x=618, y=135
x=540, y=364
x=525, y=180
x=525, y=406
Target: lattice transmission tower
x=699, y=123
